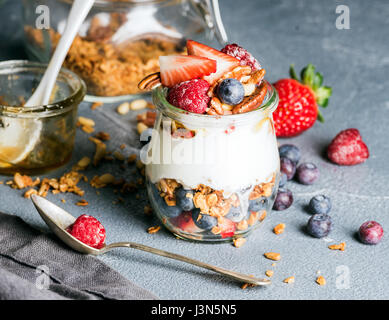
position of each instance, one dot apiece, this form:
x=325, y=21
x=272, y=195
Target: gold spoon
x=58, y=220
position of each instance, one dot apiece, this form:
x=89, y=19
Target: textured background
x=355, y=63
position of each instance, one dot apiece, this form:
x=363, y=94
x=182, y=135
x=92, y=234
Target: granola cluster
x=109, y=69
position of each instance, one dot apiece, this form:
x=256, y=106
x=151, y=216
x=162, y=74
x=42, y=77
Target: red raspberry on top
x=88, y=230
x=190, y=95
x=347, y=148
x=245, y=57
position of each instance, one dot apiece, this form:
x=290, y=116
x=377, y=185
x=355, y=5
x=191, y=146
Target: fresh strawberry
x=298, y=105
x=224, y=62
x=190, y=95
x=347, y=148
x=245, y=57
x=176, y=69
x=185, y=222
x=227, y=227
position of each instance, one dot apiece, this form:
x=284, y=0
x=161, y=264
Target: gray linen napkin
x=37, y=266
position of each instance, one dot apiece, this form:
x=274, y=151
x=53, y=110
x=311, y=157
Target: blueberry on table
x=371, y=232
x=291, y=152
x=184, y=199
x=203, y=221
x=320, y=204
x=319, y=225
x=288, y=167
x=236, y=214
x=283, y=180
x=230, y=91
x=307, y=173
x=284, y=199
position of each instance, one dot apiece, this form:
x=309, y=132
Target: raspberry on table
x=245, y=57
x=190, y=95
x=371, y=232
x=88, y=230
x=347, y=148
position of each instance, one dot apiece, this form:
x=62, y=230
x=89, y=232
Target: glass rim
x=267, y=107
x=14, y=67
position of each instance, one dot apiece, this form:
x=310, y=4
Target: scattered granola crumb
x=82, y=203
x=63, y=200
x=273, y=264
x=132, y=158
x=102, y=181
x=269, y=273
x=95, y=105
x=83, y=163
x=87, y=129
x=289, y=280
x=239, y=242
x=279, y=228
x=152, y=230
x=103, y=136
x=118, y=155
x=29, y=192
x=321, y=281
x=341, y=246
x=272, y=256
x=122, y=146
x=148, y=210
x=86, y=122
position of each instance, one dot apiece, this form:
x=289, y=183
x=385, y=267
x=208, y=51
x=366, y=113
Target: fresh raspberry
x=88, y=230
x=347, y=148
x=190, y=95
x=245, y=57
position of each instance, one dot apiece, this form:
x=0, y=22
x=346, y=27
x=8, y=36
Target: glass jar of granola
x=210, y=177
x=120, y=41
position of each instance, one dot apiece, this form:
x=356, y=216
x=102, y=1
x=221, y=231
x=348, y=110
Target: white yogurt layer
x=229, y=159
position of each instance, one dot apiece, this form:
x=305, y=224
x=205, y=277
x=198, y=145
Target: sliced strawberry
x=224, y=62
x=227, y=227
x=177, y=69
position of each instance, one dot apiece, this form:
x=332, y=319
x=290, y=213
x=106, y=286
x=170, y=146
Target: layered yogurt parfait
x=212, y=164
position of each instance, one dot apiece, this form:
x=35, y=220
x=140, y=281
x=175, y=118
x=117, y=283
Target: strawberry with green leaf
x=299, y=102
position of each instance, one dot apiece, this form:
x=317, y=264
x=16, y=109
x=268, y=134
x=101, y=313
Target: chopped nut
x=118, y=156
x=279, y=228
x=84, y=162
x=103, y=136
x=341, y=246
x=22, y=182
x=138, y=104
x=87, y=129
x=82, y=203
x=289, y=280
x=269, y=273
x=321, y=281
x=106, y=178
x=152, y=230
x=124, y=108
x=63, y=200
x=101, y=151
x=239, y=242
x=86, y=122
x=272, y=256
x=140, y=127
x=96, y=105
x=29, y=192
x=242, y=225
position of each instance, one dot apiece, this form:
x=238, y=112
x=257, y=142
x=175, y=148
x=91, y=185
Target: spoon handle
x=231, y=274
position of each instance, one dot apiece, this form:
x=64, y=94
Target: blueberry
x=203, y=221
x=236, y=214
x=283, y=180
x=258, y=204
x=319, y=225
x=169, y=211
x=184, y=199
x=230, y=91
x=288, y=167
x=371, y=232
x=284, y=199
x=320, y=204
x=291, y=152
x=307, y=173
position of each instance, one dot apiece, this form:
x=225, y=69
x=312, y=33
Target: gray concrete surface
x=355, y=63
